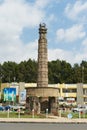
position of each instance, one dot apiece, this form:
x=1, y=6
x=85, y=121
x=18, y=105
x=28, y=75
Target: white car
x=16, y=107
x=79, y=109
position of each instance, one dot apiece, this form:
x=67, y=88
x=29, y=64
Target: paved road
x=41, y=126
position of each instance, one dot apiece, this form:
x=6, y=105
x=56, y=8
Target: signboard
x=23, y=96
x=15, y=85
x=69, y=116
x=9, y=94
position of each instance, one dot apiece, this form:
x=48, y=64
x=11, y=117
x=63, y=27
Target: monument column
x=43, y=95
x=42, y=78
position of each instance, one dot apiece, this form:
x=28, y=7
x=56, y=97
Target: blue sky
x=66, y=21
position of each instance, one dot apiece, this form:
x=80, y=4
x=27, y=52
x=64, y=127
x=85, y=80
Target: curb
x=47, y=120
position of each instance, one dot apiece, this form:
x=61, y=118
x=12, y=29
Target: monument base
x=43, y=98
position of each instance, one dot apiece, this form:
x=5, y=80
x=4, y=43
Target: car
x=17, y=107
x=79, y=109
x=2, y=108
x=8, y=107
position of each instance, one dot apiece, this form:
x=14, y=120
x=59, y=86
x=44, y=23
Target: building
x=68, y=93
x=73, y=94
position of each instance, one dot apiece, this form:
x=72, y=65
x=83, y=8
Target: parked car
x=17, y=107
x=8, y=107
x=80, y=109
x=2, y=108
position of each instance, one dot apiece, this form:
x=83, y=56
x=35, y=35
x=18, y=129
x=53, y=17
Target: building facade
x=68, y=93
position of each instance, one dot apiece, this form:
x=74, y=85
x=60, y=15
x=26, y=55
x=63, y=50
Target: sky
x=66, y=21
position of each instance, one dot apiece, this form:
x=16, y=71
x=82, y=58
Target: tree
x=58, y=72
x=66, y=72
x=9, y=71
x=76, y=74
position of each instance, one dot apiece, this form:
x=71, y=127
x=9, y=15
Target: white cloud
x=55, y=54
x=14, y=16
x=80, y=56
x=84, y=42
x=20, y=14
x=18, y=51
x=46, y=3
x=77, y=11
x=69, y=56
x=84, y=46
x=72, y=34
x=42, y=3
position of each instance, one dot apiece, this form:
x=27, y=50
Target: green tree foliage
x=31, y=71
x=84, y=71
x=54, y=71
x=77, y=77
x=9, y=71
x=58, y=72
x=66, y=72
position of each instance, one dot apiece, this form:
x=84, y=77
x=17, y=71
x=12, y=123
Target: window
x=69, y=90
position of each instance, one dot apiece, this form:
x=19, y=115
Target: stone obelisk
x=45, y=96
x=42, y=78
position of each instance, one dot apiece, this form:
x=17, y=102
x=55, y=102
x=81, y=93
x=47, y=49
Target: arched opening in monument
x=41, y=104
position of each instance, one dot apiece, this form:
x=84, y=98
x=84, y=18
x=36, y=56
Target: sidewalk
x=44, y=120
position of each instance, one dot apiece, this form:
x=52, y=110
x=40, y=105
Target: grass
x=74, y=114
x=4, y=114
x=13, y=114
